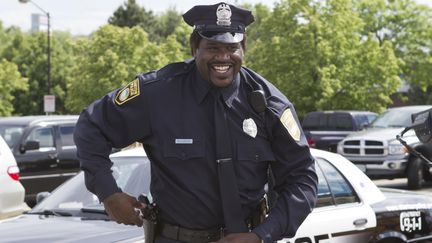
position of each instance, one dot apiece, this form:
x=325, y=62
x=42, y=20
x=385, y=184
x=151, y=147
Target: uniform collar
x=203, y=87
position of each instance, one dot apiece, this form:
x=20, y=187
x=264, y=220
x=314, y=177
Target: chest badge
x=250, y=128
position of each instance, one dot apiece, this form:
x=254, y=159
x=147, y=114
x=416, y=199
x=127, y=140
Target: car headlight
x=397, y=149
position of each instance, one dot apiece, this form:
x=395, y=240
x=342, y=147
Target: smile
x=221, y=68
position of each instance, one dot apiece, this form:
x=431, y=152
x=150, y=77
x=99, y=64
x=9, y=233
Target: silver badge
x=249, y=127
x=223, y=14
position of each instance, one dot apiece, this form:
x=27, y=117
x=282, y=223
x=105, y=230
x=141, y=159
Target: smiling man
x=212, y=130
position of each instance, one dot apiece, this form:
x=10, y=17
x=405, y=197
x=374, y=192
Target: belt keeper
x=220, y=161
x=221, y=233
x=177, y=229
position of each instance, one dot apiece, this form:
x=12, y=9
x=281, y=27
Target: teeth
x=221, y=68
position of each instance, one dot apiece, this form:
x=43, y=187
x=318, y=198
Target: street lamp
x=49, y=41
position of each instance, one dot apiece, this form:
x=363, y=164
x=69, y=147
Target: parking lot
x=402, y=184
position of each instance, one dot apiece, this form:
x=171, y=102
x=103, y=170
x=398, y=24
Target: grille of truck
x=364, y=147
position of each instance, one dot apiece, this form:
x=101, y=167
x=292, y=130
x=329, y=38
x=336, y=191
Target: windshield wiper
x=94, y=210
x=47, y=212
x=395, y=126
x=102, y=214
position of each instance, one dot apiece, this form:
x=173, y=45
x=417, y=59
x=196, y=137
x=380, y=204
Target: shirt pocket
x=257, y=151
x=184, y=151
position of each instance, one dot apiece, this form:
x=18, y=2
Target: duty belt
x=188, y=235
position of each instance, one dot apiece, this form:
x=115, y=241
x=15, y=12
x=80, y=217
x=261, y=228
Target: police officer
x=176, y=113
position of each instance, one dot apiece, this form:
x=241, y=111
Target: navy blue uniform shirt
x=170, y=111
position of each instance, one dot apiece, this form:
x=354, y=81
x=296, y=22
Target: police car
x=350, y=209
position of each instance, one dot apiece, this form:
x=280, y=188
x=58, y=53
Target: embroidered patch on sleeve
x=129, y=92
x=290, y=124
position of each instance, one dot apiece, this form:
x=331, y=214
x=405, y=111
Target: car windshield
x=11, y=134
x=396, y=117
x=132, y=175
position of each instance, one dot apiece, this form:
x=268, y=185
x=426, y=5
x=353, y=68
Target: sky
x=81, y=17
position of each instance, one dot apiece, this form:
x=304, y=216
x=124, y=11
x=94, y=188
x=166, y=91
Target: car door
x=67, y=157
x=37, y=164
x=339, y=216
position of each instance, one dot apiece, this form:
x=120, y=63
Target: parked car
x=377, y=152
x=11, y=192
x=350, y=208
x=44, y=149
x=324, y=129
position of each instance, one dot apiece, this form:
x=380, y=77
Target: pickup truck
x=44, y=149
x=324, y=129
x=380, y=155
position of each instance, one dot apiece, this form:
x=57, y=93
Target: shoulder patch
x=129, y=92
x=290, y=124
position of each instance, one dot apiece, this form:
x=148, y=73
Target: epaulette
x=133, y=89
x=169, y=71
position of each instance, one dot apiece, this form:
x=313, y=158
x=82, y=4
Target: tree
x=158, y=26
x=166, y=24
x=10, y=81
x=29, y=53
x=131, y=14
x=312, y=51
x=408, y=26
x=110, y=58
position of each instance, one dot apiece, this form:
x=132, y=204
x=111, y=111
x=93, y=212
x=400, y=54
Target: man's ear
x=193, y=52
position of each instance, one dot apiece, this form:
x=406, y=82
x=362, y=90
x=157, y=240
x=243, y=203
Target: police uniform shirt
x=170, y=111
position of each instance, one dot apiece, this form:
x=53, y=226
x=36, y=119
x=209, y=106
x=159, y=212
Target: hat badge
x=223, y=14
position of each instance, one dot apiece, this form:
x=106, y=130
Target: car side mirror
x=422, y=125
x=41, y=196
x=29, y=145
x=363, y=126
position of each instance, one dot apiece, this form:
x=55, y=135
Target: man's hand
x=122, y=208
x=240, y=238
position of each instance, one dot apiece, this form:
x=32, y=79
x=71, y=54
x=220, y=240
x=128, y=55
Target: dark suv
x=44, y=149
x=324, y=129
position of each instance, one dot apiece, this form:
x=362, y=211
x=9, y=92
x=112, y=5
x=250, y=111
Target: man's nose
x=223, y=55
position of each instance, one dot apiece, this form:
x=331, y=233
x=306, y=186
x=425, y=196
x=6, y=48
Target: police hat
x=221, y=22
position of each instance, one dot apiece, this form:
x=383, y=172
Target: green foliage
x=408, y=26
x=313, y=53
x=166, y=24
x=112, y=57
x=158, y=27
x=29, y=53
x=331, y=54
x=131, y=14
x=10, y=81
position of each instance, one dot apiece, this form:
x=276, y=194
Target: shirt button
x=183, y=155
x=256, y=157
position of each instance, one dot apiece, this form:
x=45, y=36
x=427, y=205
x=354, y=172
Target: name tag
x=183, y=141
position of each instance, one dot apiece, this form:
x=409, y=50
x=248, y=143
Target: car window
x=395, y=118
x=332, y=183
x=132, y=175
x=328, y=121
x=43, y=135
x=343, y=122
x=66, y=135
x=312, y=121
x=371, y=117
x=361, y=120
x=324, y=197
x=11, y=134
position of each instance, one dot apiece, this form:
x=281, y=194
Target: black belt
x=178, y=233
